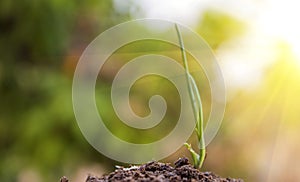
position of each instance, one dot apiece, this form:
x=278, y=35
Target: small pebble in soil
x=64, y=179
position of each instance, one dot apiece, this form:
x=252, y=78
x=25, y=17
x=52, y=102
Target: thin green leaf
x=197, y=108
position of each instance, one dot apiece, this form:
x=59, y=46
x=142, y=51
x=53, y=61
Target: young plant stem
x=194, y=94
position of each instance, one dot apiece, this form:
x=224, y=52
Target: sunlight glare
x=280, y=20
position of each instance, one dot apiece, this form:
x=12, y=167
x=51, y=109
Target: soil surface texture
x=159, y=172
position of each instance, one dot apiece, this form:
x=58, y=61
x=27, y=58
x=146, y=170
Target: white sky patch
x=243, y=61
x=281, y=21
x=186, y=12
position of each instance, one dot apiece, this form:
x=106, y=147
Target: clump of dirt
x=160, y=172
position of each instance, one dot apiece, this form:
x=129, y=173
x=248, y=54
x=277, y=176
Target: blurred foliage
x=218, y=27
x=37, y=125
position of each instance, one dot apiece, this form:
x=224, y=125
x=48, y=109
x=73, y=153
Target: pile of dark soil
x=160, y=172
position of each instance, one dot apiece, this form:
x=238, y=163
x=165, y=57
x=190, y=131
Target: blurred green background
x=41, y=42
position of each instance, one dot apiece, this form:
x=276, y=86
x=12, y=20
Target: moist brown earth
x=159, y=172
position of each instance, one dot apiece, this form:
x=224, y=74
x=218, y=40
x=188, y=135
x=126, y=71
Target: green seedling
x=194, y=94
